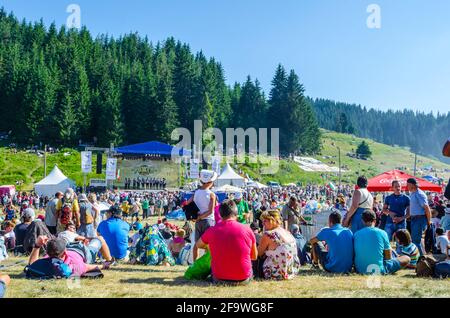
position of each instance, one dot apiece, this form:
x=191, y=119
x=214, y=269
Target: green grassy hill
x=30, y=168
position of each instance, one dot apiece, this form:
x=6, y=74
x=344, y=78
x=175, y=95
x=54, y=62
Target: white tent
x=228, y=189
x=256, y=184
x=54, y=182
x=228, y=176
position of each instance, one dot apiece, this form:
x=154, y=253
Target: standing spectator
x=395, y=208
x=291, y=214
x=87, y=217
x=205, y=200
x=50, y=213
x=231, y=259
x=67, y=209
x=145, y=207
x=362, y=201
x=243, y=209
x=420, y=213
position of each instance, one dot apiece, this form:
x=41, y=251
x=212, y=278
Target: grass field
x=136, y=281
x=30, y=168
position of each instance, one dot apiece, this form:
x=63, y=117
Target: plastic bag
x=201, y=268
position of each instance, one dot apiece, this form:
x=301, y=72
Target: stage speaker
x=99, y=163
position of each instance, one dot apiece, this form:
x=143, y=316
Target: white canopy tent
x=228, y=176
x=54, y=182
x=228, y=189
x=256, y=184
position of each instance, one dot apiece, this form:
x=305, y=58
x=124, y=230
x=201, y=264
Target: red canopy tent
x=383, y=182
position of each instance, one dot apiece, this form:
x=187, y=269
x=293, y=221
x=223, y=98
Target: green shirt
x=242, y=208
x=145, y=204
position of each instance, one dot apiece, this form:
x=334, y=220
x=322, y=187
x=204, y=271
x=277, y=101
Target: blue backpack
x=48, y=268
x=442, y=269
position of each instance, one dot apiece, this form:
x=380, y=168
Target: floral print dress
x=283, y=262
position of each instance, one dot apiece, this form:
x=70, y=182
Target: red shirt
x=230, y=243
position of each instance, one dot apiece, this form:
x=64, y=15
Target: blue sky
x=404, y=64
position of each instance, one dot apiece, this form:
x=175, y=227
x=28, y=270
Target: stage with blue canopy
x=152, y=148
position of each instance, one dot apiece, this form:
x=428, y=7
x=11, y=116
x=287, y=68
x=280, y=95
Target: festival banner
x=111, y=166
x=86, y=161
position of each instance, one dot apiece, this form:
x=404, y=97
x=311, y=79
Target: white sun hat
x=208, y=176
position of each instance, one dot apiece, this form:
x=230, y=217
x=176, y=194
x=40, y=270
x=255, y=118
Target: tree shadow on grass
x=177, y=281
x=145, y=270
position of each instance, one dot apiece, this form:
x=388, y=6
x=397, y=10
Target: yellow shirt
x=125, y=207
x=75, y=206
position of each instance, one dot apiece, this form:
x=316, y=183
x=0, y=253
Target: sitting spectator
x=231, y=258
x=115, y=232
x=373, y=251
x=137, y=226
x=445, y=221
x=21, y=230
x=405, y=246
x=301, y=245
x=78, y=265
x=10, y=236
x=177, y=244
x=336, y=255
x=442, y=245
x=434, y=219
x=254, y=226
x=4, y=282
x=278, y=247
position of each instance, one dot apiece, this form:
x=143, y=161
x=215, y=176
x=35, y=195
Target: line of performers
x=141, y=183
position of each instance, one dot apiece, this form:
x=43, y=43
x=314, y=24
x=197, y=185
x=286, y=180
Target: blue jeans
x=87, y=230
x=356, y=222
x=418, y=226
x=391, y=266
x=390, y=228
x=93, y=248
x=2, y=289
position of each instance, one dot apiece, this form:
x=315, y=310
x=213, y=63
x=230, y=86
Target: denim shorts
x=2, y=289
x=392, y=265
x=93, y=248
x=202, y=226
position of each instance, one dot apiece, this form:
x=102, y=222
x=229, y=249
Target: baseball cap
x=82, y=197
x=412, y=181
x=28, y=213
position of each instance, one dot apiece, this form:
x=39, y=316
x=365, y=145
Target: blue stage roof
x=151, y=148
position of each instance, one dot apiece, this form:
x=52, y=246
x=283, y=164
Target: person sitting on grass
x=336, y=255
x=232, y=246
x=115, y=232
x=4, y=282
x=10, y=236
x=373, y=253
x=442, y=245
x=70, y=236
x=279, y=248
x=177, y=244
x=405, y=246
x=21, y=230
x=56, y=249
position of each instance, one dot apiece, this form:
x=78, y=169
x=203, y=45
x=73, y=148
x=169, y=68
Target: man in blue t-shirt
x=115, y=232
x=337, y=255
x=395, y=207
x=373, y=253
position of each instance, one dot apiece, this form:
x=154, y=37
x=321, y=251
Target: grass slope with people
x=30, y=168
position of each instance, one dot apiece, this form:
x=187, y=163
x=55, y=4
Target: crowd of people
x=145, y=183
x=78, y=234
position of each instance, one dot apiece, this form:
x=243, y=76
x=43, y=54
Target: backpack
x=425, y=266
x=442, y=270
x=48, y=268
x=86, y=213
x=184, y=255
x=66, y=212
x=151, y=248
x=191, y=210
x=430, y=240
x=34, y=230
